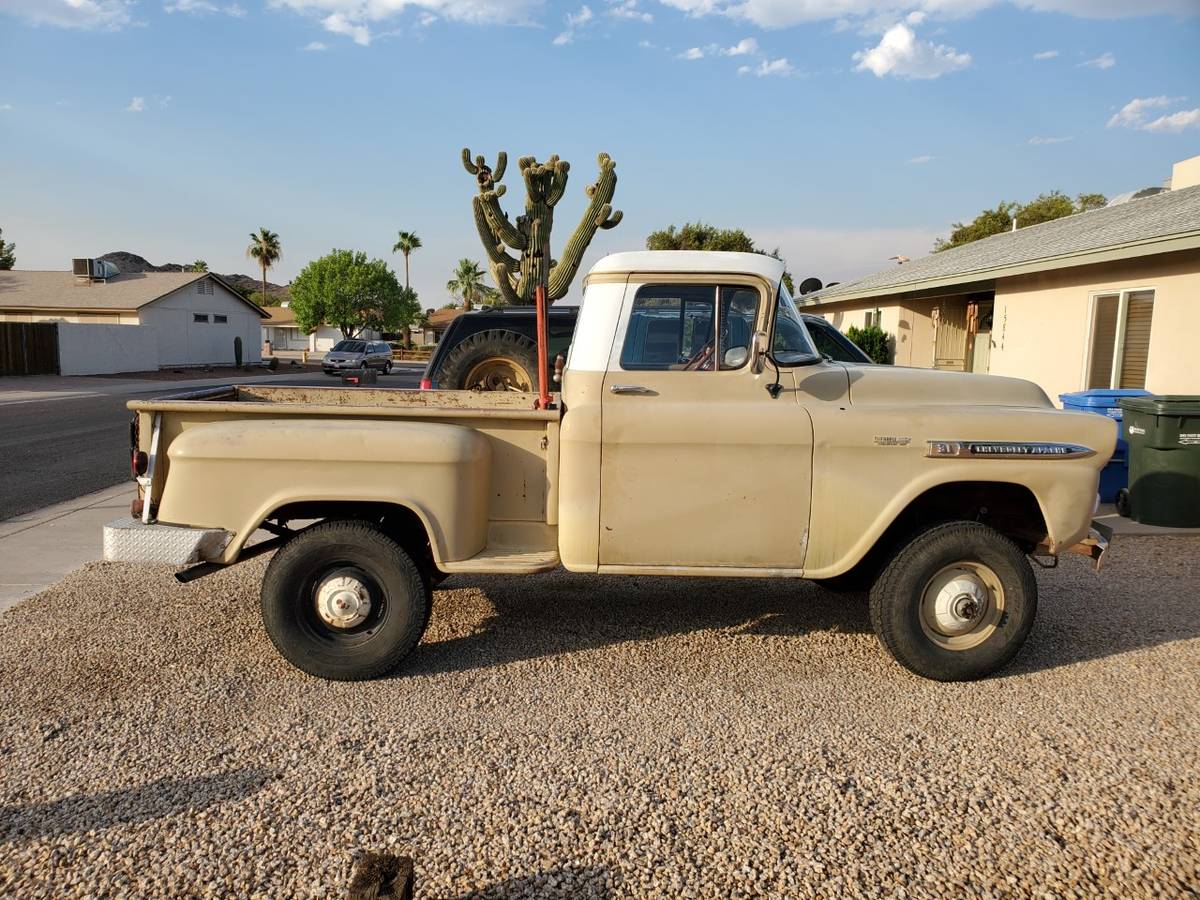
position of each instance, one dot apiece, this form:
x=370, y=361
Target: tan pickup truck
x=697, y=432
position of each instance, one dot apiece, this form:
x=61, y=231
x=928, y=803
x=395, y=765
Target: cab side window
x=672, y=328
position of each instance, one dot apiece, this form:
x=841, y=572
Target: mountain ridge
x=127, y=262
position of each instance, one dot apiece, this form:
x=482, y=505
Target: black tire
x=464, y=357
x=1005, y=617
x=1124, y=509
x=392, y=627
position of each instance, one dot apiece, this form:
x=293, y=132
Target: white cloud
x=1046, y=54
x=314, y=46
x=901, y=54
x=744, y=47
x=769, y=67
x=426, y=19
x=575, y=21
x=1175, y=122
x=5, y=107
x=1103, y=61
x=136, y=105
x=369, y=12
x=1042, y=141
x=919, y=160
x=111, y=14
x=236, y=11
x=336, y=23
x=627, y=9
x=693, y=53
x=1135, y=113
x=786, y=13
x=203, y=8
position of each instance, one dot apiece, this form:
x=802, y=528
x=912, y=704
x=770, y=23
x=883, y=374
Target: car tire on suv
x=491, y=361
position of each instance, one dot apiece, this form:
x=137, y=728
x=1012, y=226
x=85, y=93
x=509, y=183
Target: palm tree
x=467, y=284
x=406, y=243
x=264, y=247
x=199, y=266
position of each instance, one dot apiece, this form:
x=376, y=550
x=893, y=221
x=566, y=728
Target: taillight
x=426, y=384
x=139, y=462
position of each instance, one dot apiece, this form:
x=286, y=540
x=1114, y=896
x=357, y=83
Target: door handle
x=632, y=389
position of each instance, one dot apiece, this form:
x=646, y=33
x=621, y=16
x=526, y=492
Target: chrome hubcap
x=343, y=601
x=962, y=605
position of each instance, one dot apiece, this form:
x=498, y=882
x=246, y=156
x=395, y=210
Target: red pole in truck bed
x=543, y=348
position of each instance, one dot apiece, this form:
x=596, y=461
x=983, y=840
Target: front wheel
x=956, y=603
x=343, y=601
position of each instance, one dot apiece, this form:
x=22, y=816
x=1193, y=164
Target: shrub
x=873, y=341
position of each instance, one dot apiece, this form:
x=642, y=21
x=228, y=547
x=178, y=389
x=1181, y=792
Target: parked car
x=356, y=354
x=698, y=433
x=496, y=349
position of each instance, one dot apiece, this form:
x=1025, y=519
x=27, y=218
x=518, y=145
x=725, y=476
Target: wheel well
x=1011, y=509
x=400, y=523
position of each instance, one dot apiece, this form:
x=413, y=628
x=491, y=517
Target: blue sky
x=843, y=131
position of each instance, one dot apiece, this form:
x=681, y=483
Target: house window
x=220, y=319
x=874, y=318
x=200, y=317
x=204, y=286
x=1120, y=339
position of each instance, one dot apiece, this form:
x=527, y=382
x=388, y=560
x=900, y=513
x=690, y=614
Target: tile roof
x=1173, y=214
x=21, y=289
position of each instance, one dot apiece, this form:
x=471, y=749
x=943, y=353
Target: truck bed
x=284, y=424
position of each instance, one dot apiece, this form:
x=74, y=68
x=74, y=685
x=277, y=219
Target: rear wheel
x=491, y=361
x=344, y=601
x=956, y=603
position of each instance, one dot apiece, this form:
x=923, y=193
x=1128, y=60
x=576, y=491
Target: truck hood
x=930, y=387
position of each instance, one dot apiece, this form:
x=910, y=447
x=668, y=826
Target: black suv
x=495, y=349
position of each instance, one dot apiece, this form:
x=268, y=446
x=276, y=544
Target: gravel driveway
x=577, y=736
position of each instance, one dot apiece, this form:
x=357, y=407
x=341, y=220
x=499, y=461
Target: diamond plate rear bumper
x=129, y=540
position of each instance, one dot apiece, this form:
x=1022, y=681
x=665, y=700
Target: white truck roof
x=691, y=261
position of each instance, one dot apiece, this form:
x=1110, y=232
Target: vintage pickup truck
x=697, y=432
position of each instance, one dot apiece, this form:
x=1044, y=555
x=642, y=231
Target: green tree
x=199, y=266
x=1043, y=208
x=873, y=341
x=406, y=243
x=468, y=286
x=264, y=247
x=8, y=257
x=345, y=289
x=702, y=236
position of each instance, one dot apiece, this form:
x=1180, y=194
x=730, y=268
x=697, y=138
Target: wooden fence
x=411, y=355
x=28, y=349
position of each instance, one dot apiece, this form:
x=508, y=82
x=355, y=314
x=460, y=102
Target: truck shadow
x=152, y=800
x=562, y=612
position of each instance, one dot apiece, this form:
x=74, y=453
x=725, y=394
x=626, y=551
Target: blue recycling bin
x=1107, y=403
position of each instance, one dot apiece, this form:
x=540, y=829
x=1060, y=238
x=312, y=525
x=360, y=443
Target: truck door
x=700, y=467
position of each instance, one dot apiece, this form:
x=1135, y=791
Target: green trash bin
x=1164, y=459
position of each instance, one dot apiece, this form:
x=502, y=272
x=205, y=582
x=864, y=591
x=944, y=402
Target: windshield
x=350, y=347
x=790, y=345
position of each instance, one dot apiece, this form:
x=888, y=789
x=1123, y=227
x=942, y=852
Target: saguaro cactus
x=545, y=183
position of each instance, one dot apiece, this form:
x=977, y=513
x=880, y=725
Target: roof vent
x=89, y=270
x=1135, y=195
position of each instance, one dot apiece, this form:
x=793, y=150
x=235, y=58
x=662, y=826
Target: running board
x=513, y=548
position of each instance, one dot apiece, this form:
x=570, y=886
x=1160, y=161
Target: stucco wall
x=106, y=349
x=1043, y=322
x=186, y=342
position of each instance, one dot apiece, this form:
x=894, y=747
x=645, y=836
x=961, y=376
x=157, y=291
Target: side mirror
x=735, y=357
x=758, y=351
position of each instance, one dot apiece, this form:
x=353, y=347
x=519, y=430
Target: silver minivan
x=356, y=354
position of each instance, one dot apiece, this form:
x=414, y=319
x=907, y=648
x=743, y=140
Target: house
x=281, y=329
x=436, y=323
x=1103, y=299
x=171, y=318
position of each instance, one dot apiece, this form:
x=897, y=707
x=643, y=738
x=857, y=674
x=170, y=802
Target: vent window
x=204, y=286
x=200, y=317
x=220, y=319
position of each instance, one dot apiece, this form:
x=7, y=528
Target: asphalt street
x=58, y=449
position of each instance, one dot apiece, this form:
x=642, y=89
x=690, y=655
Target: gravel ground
x=581, y=737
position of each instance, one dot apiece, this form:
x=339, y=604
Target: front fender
x=234, y=474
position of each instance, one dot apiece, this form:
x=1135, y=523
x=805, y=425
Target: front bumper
x=129, y=540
